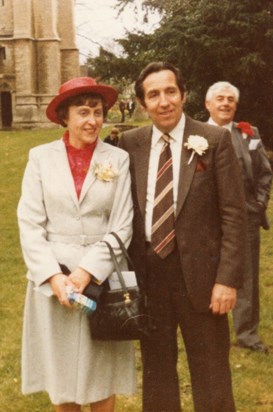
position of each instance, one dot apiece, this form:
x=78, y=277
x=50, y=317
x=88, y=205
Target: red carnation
x=246, y=128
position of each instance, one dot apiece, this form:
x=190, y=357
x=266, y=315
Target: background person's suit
x=210, y=228
x=257, y=177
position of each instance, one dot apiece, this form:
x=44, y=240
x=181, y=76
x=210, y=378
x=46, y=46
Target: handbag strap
x=140, y=280
x=126, y=295
x=124, y=250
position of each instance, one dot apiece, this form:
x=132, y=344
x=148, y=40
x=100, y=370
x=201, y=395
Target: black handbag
x=121, y=313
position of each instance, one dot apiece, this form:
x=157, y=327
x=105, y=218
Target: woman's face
x=84, y=124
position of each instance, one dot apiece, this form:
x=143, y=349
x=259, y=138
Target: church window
x=2, y=53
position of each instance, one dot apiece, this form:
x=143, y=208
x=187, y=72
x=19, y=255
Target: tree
x=211, y=41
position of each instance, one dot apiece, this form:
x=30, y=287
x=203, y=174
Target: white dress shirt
x=226, y=126
x=176, y=148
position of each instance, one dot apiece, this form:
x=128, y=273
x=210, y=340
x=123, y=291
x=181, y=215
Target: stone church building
x=37, y=53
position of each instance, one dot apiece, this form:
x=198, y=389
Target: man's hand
x=223, y=299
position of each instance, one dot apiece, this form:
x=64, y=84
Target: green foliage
x=209, y=41
x=119, y=70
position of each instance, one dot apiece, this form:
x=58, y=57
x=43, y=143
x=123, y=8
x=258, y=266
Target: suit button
x=78, y=217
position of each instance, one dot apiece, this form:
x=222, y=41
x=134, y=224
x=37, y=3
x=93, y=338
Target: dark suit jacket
x=256, y=172
x=210, y=215
x=113, y=142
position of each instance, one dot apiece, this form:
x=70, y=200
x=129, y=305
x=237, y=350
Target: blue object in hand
x=80, y=301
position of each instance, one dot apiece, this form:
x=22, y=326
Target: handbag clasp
x=127, y=298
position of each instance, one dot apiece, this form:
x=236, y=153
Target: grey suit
x=257, y=177
x=209, y=230
x=58, y=354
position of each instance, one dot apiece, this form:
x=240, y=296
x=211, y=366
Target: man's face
x=163, y=100
x=222, y=107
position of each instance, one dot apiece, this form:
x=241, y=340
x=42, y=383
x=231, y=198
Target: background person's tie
x=163, y=234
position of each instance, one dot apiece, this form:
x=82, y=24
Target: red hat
x=77, y=86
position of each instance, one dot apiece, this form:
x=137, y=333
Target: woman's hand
x=58, y=283
x=80, y=278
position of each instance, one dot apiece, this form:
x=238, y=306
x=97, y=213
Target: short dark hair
x=89, y=99
x=155, y=67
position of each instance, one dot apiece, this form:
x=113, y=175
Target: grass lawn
x=252, y=372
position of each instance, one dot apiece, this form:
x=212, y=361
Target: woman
x=75, y=191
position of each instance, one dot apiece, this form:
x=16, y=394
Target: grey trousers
x=246, y=314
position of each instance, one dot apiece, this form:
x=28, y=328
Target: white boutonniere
x=197, y=144
x=105, y=171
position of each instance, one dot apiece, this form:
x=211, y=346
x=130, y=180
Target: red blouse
x=79, y=161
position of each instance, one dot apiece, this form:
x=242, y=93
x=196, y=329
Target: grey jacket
x=256, y=172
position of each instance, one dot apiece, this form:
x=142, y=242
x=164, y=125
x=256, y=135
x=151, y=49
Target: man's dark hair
x=155, y=67
x=88, y=99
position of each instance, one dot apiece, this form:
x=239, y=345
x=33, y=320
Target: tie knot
x=166, y=138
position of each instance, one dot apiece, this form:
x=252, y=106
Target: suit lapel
x=98, y=156
x=62, y=164
x=241, y=146
x=186, y=170
x=142, y=154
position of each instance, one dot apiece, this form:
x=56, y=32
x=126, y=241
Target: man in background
x=122, y=107
x=131, y=105
x=112, y=138
x=221, y=102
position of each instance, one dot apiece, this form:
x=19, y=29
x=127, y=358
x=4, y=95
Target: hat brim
x=108, y=93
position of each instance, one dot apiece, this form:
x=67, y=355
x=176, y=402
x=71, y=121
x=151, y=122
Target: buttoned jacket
x=210, y=215
x=57, y=227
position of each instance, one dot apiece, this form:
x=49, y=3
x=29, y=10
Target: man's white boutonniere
x=105, y=171
x=197, y=144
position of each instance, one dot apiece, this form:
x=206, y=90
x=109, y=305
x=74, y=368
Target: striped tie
x=163, y=234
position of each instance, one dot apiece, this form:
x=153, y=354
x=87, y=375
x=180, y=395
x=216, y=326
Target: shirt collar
x=226, y=126
x=176, y=134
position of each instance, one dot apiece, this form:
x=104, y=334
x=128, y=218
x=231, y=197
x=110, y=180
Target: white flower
x=105, y=171
x=197, y=144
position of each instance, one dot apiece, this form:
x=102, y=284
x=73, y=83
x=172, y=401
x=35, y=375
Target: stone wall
x=37, y=53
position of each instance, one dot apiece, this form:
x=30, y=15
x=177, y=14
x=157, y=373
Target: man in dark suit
x=112, y=138
x=190, y=278
x=221, y=102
